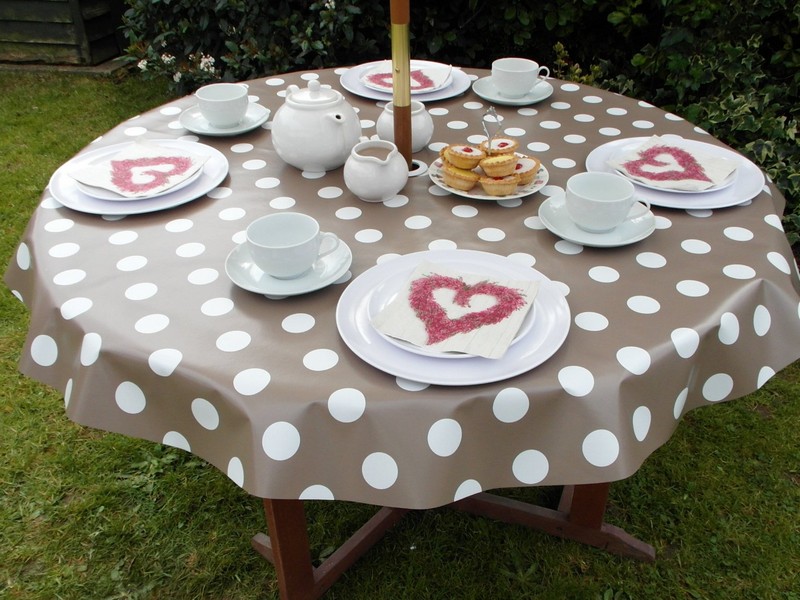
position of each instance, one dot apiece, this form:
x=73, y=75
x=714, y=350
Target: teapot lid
x=314, y=95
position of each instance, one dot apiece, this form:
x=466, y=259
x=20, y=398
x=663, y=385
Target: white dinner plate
x=385, y=70
x=193, y=120
x=548, y=332
x=351, y=81
x=476, y=193
x=242, y=270
x=748, y=183
x=486, y=90
x=104, y=194
x=65, y=190
x=553, y=214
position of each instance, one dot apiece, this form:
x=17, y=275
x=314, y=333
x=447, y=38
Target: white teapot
x=315, y=129
x=375, y=170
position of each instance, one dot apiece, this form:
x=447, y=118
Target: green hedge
x=732, y=68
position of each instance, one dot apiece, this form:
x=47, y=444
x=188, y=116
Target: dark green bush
x=731, y=67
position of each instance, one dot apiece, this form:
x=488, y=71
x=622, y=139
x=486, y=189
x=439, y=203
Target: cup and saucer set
x=223, y=109
x=514, y=82
x=286, y=254
x=598, y=210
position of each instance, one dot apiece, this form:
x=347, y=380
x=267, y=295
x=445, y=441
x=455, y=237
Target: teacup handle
x=323, y=237
x=543, y=72
x=640, y=213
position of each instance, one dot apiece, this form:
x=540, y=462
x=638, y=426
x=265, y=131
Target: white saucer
x=243, y=272
x=194, y=121
x=553, y=213
x=486, y=90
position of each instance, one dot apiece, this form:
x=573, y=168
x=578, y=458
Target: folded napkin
x=672, y=165
x=141, y=169
x=446, y=311
x=423, y=79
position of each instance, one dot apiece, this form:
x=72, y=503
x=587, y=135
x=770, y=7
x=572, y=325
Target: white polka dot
x=642, y=124
x=203, y=276
x=522, y=258
x=600, y=448
x=254, y=165
x=549, y=124
x=176, y=440
x=90, y=348
x=368, y=236
x=609, y=131
x=190, y=250
x=764, y=375
x=298, y=323
x=418, y=222
x=491, y=234
x=570, y=87
x=761, y=320
x=281, y=441
x=604, y=274
x=216, y=307
x=281, y=203
x=739, y=271
x=164, y=362
x=779, y=261
x=131, y=263
x=564, y=163
x=410, y=385
x=592, y=99
x=464, y=211
x=739, y=234
x=179, y=225
x=313, y=174
x=59, y=225
x=69, y=277
x=219, y=193
x=152, y=323
x=576, y=381
x=330, y=192
x=641, y=422
x=574, y=139
x=44, y=350
x=692, y=289
x=538, y=147
x=122, y=238
x=686, y=341
x=348, y=213
x=241, y=148
x=141, y=291
x=67, y=394
x=379, y=470
x=510, y=405
x=534, y=223
x=651, y=260
x=530, y=466
x=457, y=124
x=591, y=321
x=633, y=359
x=560, y=105
x=728, y=328
x=233, y=341
x=442, y=245
x=251, y=381
x=617, y=112
x=347, y=405
x=205, y=413
x=235, y=471
x=321, y=359
x=267, y=183
x=232, y=214
x=467, y=488
x=444, y=437
x=583, y=118
x=717, y=387
x=130, y=398
x=64, y=250
x=135, y=131
x=316, y=492
x=680, y=402
x=75, y=307
x=23, y=257
x=774, y=221
x=441, y=111
x=644, y=305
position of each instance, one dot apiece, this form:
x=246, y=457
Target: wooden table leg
x=579, y=517
x=287, y=548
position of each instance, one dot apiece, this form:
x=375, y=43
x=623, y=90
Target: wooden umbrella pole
x=401, y=76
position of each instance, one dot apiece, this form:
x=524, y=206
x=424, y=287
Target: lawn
x=88, y=514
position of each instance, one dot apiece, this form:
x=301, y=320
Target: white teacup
x=223, y=105
x=598, y=202
x=286, y=245
x=516, y=77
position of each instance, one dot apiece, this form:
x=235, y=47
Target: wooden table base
x=579, y=517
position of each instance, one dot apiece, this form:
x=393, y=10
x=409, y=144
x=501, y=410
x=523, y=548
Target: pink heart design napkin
x=423, y=79
x=141, y=169
x=447, y=311
x=672, y=165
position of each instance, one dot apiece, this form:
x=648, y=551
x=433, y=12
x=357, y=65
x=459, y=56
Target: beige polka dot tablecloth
x=135, y=320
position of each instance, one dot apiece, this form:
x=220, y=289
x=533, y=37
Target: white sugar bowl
x=421, y=125
x=375, y=170
x=315, y=129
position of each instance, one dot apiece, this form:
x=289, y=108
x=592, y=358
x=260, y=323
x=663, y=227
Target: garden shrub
x=730, y=67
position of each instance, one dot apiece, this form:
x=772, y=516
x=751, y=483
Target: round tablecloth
x=136, y=321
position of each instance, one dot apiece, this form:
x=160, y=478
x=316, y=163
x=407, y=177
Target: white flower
x=207, y=63
x=177, y=77
x=167, y=59
x=142, y=64
x=330, y=4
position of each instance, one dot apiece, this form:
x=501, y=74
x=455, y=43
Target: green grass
x=86, y=514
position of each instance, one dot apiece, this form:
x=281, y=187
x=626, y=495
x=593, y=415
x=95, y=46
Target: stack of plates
x=540, y=336
x=93, y=200
x=355, y=80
